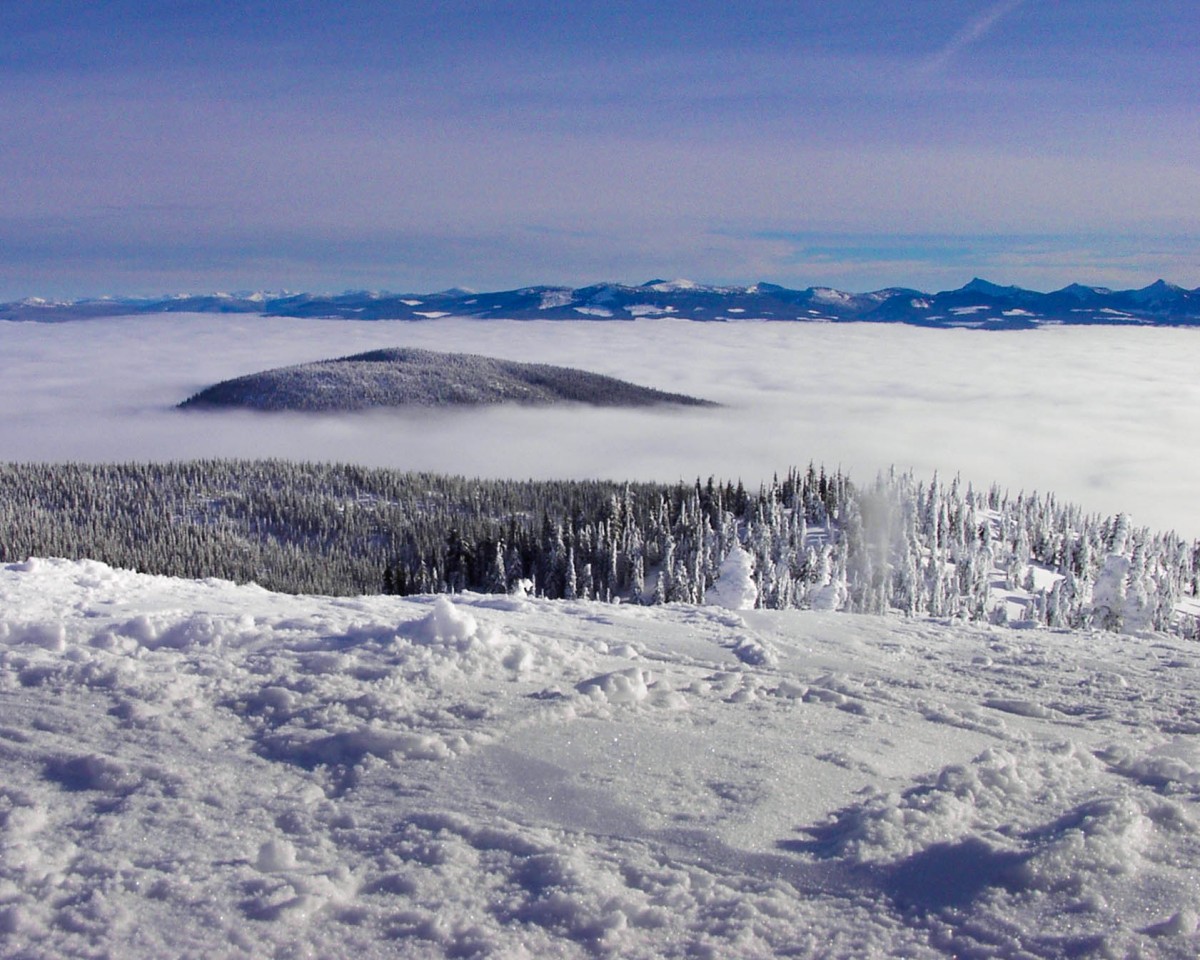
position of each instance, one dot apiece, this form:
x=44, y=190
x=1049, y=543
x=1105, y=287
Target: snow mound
x=734, y=587
x=179, y=631
x=962, y=800
x=48, y=636
x=450, y=638
x=1165, y=770
x=445, y=626
x=621, y=686
x=351, y=747
x=753, y=652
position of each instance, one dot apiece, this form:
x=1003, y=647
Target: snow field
x=193, y=768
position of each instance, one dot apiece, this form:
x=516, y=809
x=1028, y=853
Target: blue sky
x=153, y=147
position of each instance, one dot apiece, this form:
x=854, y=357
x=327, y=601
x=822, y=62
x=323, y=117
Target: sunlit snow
x=200, y=769
x=197, y=769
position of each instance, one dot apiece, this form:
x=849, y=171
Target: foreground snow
x=199, y=769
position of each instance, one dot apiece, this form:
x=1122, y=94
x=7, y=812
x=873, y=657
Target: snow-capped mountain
x=979, y=303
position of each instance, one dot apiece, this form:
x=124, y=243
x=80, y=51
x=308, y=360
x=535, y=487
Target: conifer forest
x=815, y=539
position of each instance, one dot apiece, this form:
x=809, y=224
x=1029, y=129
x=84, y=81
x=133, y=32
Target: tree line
x=815, y=539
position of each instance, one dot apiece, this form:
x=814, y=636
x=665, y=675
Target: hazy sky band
x=415, y=145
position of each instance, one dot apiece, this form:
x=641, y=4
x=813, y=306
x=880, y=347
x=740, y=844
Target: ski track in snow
x=200, y=769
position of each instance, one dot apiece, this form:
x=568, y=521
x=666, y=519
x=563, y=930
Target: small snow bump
x=276, y=855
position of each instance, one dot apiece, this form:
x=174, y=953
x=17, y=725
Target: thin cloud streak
x=974, y=31
x=417, y=146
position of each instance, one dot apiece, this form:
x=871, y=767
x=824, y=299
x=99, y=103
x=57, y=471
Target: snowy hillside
x=408, y=377
x=192, y=768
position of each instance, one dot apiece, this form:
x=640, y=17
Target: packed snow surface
x=197, y=769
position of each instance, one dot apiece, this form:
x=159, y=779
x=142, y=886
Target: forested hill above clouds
x=411, y=377
x=977, y=304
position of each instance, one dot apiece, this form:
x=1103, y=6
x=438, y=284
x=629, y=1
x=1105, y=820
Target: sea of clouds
x=1103, y=416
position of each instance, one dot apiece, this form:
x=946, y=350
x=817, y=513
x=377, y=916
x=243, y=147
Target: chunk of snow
x=48, y=636
x=444, y=625
x=621, y=686
x=276, y=855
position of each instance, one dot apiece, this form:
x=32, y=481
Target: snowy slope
x=198, y=769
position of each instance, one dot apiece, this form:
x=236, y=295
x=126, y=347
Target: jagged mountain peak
x=1161, y=286
x=986, y=287
x=1159, y=292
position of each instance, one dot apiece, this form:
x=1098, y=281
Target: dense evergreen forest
x=407, y=376
x=814, y=539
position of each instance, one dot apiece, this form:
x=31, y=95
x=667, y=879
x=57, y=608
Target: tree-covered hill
x=408, y=376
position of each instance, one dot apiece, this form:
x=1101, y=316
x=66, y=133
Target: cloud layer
x=1102, y=417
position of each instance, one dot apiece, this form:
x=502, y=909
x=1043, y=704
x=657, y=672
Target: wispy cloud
x=283, y=153
x=972, y=32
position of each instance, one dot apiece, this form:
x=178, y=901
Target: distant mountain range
x=978, y=304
